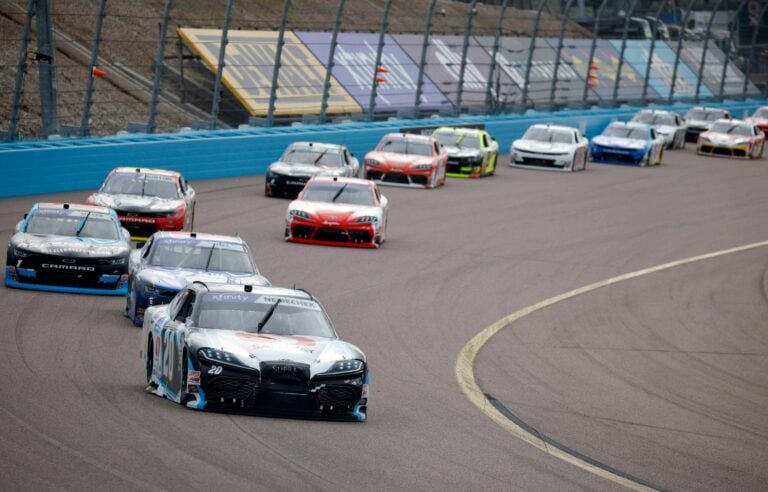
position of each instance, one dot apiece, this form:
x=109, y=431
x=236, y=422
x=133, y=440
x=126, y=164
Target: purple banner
x=354, y=67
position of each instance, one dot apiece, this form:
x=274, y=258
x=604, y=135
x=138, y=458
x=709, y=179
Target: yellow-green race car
x=472, y=152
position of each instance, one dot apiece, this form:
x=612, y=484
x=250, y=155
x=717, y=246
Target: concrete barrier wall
x=49, y=166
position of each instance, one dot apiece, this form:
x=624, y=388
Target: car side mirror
x=20, y=224
x=383, y=200
x=126, y=233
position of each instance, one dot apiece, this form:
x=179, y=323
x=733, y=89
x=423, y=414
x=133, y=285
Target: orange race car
x=403, y=159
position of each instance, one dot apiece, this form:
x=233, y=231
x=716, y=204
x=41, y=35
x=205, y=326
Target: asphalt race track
x=664, y=377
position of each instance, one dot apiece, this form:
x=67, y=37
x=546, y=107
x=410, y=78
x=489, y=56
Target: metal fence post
x=730, y=49
x=535, y=33
x=621, y=52
x=494, y=53
x=423, y=60
x=558, y=51
x=85, y=129
x=159, y=63
x=329, y=66
x=704, y=49
x=592, y=51
x=47, y=67
x=21, y=70
x=276, y=71
x=464, y=49
x=377, y=63
x=220, y=66
x=751, y=62
x=662, y=6
x=679, y=48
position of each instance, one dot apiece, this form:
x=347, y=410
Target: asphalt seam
x=492, y=408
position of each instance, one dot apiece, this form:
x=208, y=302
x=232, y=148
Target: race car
x=402, y=159
x=732, y=138
x=63, y=247
x=303, y=160
x=148, y=200
x=668, y=124
x=760, y=118
x=472, y=152
x=699, y=119
x=338, y=212
x=628, y=143
x=252, y=349
x=551, y=147
x=170, y=260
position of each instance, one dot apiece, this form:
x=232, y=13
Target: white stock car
x=551, y=147
x=667, y=124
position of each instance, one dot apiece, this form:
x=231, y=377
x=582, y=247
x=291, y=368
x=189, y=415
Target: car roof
x=146, y=170
x=316, y=145
x=410, y=136
x=631, y=124
x=550, y=126
x=734, y=122
x=459, y=129
x=706, y=108
x=341, y=179
x=253, y=289
x=202, y=236
x=656, y=111
x=75, y=207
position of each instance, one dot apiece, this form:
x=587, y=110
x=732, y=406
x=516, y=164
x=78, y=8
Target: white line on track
x=465, y=373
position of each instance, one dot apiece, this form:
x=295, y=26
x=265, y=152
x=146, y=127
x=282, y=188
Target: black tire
x=150, y=361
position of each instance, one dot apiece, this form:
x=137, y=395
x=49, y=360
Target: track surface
x=664, y=377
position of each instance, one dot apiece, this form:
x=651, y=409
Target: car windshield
x=761, y=113
x=73, y=223
x=626, y=132
x=406, y=146
x=338, y=192
x=705, y=115
x=244, y=311
x=196, y=254
x=654, y=118
x=141, y=184
x=458, y=139
x=326, y=157
x=549, y=135
x=731, y=129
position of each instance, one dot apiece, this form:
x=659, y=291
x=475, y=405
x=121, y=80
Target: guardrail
x=48, y=166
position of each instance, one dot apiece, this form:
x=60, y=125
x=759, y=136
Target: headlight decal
x=346, y=367
x=299, y=213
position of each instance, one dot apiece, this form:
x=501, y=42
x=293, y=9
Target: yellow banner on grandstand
x=249, y=64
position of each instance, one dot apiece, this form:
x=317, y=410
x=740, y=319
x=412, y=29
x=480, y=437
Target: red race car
x=148, y=200
x=407, y=160
x=338, y=212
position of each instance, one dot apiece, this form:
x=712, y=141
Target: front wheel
x=150, y=355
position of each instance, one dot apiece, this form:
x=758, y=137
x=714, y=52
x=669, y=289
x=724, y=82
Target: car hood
x=724, y=138
x=546, y=147
x=178, y=278
x=304, y=170
x=699, y=123
x=67, y=246
x=462, y=152
x=399, y=160
x=252, y=348
x=135, y=203
x=342, y=210
x=631, y=143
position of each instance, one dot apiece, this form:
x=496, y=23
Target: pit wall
x=50, y=166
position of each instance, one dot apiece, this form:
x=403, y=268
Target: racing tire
x=150, y=362
x=584, y=162
x=645, y=160
x=433, y=182
x=661, y=155
x=495, y=159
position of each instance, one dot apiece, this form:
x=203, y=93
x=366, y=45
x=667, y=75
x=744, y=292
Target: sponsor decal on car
x=193, y=377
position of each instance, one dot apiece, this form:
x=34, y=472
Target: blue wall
x=49, y=166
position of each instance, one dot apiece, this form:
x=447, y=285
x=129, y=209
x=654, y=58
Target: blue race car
x=170, y=260
x=64, y=247
x=628, y=143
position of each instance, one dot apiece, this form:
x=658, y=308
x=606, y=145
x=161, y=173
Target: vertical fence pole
x=85, y=129
x=464, y=49
x=558, y=51
x=662, y=6
x=377, y=63
x=276, y=71
x=730, y=49
x=704, y=49
x=489, y=89
x=423, y=59
x=159, y=64
x=622, y=50
x=532, y=47
x=329, y=66
x=47, y=67
x=221, y=63
x=751, y=62
x=679, y=48
x=21, y=69
x=592, y=51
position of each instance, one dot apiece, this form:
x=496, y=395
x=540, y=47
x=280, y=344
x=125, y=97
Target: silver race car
x=552, y=147
x=253, y=349
x=668, y=124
